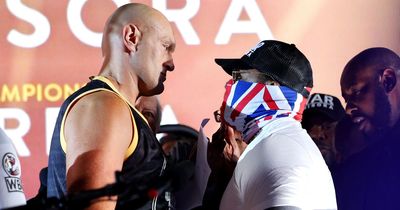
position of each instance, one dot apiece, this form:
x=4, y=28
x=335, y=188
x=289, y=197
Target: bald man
x=98, y=130
x=370, y=85
x=370, y=88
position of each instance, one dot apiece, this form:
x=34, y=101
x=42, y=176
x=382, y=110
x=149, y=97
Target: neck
x=120, y=74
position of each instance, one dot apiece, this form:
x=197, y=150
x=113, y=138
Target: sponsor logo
x=318, y=101
x=254, y=49
x=11, y=167
x=13, y=184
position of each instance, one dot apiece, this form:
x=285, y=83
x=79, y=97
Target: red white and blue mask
x=250, y=106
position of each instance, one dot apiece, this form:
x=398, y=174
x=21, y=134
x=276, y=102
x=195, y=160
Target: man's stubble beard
x=381, y=117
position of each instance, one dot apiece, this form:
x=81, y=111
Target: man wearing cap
x=320, y=117
x=281, y=167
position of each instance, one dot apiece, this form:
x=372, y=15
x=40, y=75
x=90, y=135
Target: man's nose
x=318, y=138
x=318, y=134
x=169, y=65
x=350, y=108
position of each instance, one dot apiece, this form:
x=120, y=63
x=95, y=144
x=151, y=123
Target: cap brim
x=230, y=64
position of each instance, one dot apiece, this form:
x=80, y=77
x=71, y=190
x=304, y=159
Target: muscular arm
x=98, y=131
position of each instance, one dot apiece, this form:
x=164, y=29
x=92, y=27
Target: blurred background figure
x=179, y=142
x=351, y=145
x=370, y=87
x=150, y=108
x=349, y=141
x=11, y=191
x=320, y=117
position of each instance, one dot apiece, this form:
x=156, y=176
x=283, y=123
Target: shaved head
x=140, y=15
x=374, y=59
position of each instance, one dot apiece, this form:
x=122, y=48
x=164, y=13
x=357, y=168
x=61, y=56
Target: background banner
x=50, y=48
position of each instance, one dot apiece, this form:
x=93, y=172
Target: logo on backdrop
x=12, y=168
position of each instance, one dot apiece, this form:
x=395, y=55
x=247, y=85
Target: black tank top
x=144, y=160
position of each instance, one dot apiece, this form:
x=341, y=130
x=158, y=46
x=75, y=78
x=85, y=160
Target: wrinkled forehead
x=166, y=34
x=160, y=23
x=163, y=30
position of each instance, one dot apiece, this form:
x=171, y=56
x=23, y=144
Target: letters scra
x=231, y=24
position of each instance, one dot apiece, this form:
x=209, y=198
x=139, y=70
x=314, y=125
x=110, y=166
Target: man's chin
x=366, y=127
x=155, y=91
x=159, y=89
x=372, y=132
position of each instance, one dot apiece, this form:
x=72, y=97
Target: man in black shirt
x=371, y=89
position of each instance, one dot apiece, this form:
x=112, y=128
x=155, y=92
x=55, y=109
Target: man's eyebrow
x=172, y=47
x=171, y=44
x=348, y=91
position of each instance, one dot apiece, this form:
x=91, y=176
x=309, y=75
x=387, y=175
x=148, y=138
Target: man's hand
x=224, y=150
x=232, y=151
x=215, y=149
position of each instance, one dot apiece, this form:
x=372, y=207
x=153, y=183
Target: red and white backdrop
x=49, y=48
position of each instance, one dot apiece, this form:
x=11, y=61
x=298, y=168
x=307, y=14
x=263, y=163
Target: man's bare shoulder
x=99, y=111
x=101, y=100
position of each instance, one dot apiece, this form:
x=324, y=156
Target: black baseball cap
x=324, y=104
x=281, y=61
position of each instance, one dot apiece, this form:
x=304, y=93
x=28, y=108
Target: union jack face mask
x=250, y=106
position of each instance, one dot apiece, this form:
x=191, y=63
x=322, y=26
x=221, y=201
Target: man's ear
x=131, y=36
x=389, y=79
